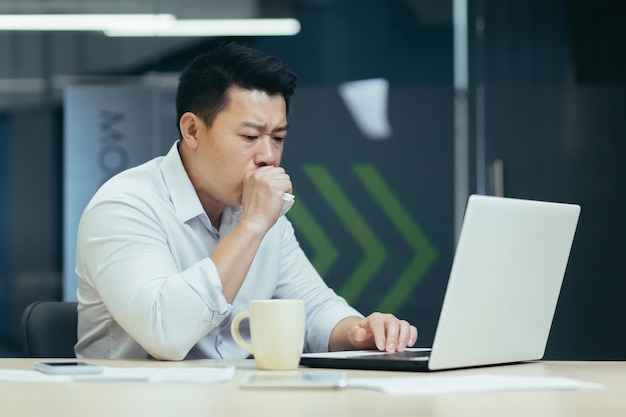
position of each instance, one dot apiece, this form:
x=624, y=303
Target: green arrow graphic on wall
x=423, y=250
x=374, y=252
x=325, y=253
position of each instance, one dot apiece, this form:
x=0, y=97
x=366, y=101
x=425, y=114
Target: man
x=170, y=250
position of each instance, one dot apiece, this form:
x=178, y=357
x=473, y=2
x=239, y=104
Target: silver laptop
x=502, y=291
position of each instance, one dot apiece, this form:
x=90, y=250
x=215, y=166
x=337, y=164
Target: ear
x=189, y=125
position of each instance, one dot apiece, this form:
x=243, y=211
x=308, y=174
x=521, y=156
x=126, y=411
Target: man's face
x=246, y=135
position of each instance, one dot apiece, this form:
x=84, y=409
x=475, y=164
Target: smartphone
x=68, y=368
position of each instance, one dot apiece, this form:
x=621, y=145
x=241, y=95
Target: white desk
x=137, y=399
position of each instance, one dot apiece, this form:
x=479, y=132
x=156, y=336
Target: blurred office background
x=404, y=108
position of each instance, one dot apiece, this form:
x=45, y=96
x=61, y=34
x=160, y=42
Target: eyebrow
x=258, y=126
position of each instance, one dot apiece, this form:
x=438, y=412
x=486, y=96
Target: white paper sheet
x=432, y=385
x=19, y=375
x=196, y=375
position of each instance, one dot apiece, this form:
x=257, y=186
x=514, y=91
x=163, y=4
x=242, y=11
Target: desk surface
x=182, y=400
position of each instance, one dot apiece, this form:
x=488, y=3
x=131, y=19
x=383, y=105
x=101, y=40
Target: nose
x=266, y=154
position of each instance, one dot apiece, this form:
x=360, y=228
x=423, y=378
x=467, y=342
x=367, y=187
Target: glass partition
x=549, y=93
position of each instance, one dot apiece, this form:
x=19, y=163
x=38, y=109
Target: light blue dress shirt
x=147, y=287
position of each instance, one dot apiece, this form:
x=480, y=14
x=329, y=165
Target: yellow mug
x=276, y=331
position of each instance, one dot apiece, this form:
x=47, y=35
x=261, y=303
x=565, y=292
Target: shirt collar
x=184, y=197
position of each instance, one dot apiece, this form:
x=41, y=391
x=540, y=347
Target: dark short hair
x=203, y=84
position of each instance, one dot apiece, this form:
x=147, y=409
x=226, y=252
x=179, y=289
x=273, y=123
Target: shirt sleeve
x=300, y=280
x=124, y=253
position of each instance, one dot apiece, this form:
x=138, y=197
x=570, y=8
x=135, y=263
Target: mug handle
x=234, y=330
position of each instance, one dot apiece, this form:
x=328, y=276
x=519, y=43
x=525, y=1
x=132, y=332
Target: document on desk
x=195, y=375
x=436, y=384
x=20, y=375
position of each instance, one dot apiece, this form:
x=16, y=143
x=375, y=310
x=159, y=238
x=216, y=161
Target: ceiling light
x=82, y=22
x=212, y=27
x=149, y=25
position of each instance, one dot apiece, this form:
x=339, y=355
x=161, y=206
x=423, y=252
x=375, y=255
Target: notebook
x=502, y=291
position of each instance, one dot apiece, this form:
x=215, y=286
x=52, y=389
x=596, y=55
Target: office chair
x=49, y=329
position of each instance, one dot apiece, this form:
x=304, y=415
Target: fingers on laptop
x=390, y=333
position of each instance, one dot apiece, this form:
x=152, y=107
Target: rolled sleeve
x=204, y=280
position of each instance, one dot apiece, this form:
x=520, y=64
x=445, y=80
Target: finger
x=358, y=333
x=403, y=335
x=412, y=336
x=376, y=325
x=392, y=328
x=269, y=176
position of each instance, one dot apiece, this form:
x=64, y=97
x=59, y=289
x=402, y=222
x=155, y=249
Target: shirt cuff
x=204, y=279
